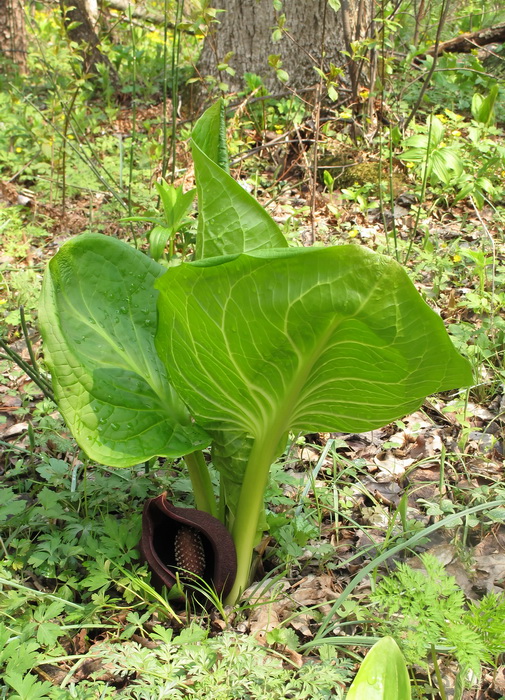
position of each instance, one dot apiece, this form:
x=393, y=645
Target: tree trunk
x=311, y=28
x=12, y=32
x=79, y=14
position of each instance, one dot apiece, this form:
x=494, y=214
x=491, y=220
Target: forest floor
x=73, y=591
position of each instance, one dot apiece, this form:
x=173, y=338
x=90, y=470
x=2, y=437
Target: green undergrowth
x=189, y=664
x=424, y=608
x=74, y=531
x=75, y=596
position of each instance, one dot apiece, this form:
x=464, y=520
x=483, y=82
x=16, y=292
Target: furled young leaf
x=209, y=135
x=98, y=320
x=158, y=239
x=230, y=220
x=436, y=131
x=383, y=674
x=332, y=339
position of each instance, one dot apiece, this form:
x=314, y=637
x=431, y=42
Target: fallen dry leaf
x=313, y=590
x=13, y=430
x=296, y=659
x=497, y=681
x=391, y=466
x=269, y=607
x=387, y=493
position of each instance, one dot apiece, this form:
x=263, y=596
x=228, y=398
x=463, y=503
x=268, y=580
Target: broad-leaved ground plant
x=249, y=341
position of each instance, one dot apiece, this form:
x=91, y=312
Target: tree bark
x=12, y=32
x=312, y=28
x=77, y=13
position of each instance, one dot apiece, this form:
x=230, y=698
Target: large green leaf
x=230, y=220
x=98, y=321
x=333, y=339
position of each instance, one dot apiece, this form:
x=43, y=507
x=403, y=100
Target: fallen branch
x=466, y=42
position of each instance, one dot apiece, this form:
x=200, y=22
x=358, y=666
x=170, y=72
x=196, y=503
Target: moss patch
x=349, y=174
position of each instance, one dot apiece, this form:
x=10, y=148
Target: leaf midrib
x=291, y=398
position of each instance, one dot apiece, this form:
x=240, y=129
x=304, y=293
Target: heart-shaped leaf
x=333, y=339
x=98, y=321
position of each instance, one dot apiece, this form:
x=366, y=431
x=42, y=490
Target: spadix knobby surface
x=98, y=321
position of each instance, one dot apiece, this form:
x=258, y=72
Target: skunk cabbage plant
x=249, y=341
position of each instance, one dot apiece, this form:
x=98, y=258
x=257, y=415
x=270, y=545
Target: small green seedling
x=383, y=674
x=442, y=163
x=176, y=205
x=248, y=342
x=483, y=107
